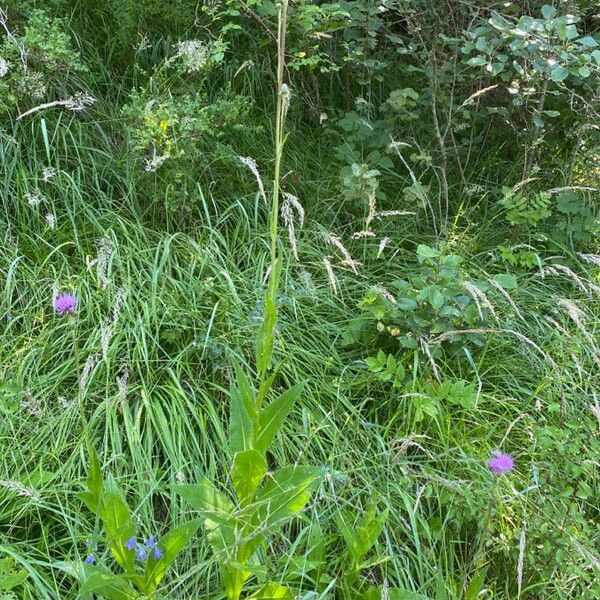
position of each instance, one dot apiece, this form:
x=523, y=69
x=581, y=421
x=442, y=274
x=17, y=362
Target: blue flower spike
x=130, y=543
x=141, y=553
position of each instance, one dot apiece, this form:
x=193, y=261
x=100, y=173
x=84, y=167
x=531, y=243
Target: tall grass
x=191, y=300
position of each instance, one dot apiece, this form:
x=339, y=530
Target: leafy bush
x=438, y=300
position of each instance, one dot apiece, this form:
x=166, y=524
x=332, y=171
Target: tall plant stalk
x=264, y=344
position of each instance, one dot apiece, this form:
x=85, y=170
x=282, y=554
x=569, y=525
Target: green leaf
x=407, y=304
x=362, y=535
x=118, y=524
x=506, y=281
x=424, y=251
x=94, y=478
x=240, y=424
x=106, y=584
x=204, y=498
x=247, y=393
x=584, y=72
x=559, y=73
x=475, y=585
x=248, y=470
x=286, y=493
x=272, y=591
x=538, y=121
x=571, y=32
x=218, y=511
x=272, y=417
x=548, y=12
x=264, y=341
x=477, y=61
x=588, y=41
x=376, y=593
x=10, y=575
x=171, y=545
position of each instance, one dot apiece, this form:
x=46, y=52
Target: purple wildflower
x=150, y=543
x=65, y=304
x=141, y=553
x=500, y=463
x=158, y=553
x=130, y=543
x=90, y=560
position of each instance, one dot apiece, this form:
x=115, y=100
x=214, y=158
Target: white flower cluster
x=4, y=67
x=34, y=198
x=194, y=55
x=79, y=101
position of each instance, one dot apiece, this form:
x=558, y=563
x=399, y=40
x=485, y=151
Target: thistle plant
x=238, y=524
x=499, y=464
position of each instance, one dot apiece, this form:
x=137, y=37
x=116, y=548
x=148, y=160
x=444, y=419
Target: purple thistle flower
x=501, y=463
x=130, y=543
x=158, y=553
x=150, y=543
x=65, y=304
x=90, y=560
x=141, y=553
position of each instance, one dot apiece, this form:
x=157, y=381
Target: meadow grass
x=166, y=304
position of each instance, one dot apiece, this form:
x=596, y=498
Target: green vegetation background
x=439, y=294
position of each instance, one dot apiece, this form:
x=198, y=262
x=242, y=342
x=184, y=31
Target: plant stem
x=280, y=111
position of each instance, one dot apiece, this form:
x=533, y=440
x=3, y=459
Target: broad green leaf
x=94, y=478
x=584, y=71
x=506, y=280
x=240, y=424
x=264, y=340
x=217, y=510
x=118, y=524
x=266, y=385
x=361, y=535
x=286, y=493
x=424, y=251
x=248, y=470
x=538, y=121
x=204, y=498
x=247, y=393
x=588, y=41
x=559, y=73
x=171, y=545
x=10, y=575
x=477, y=61
x=272, y=591
x=107, y=585
x=571, y=32
x=475, y=585
x=376, y=593
x=272, y=417
x=548, y=12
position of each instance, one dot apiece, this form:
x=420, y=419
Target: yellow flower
x=163, y=125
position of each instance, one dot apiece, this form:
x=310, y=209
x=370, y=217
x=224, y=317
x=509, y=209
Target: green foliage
x=11, y=577
x=264, y=502
x=210, y=369
x=38, y=63
x=106, y=501
x=433, y=301
x=523, y=209
x=533, y=49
